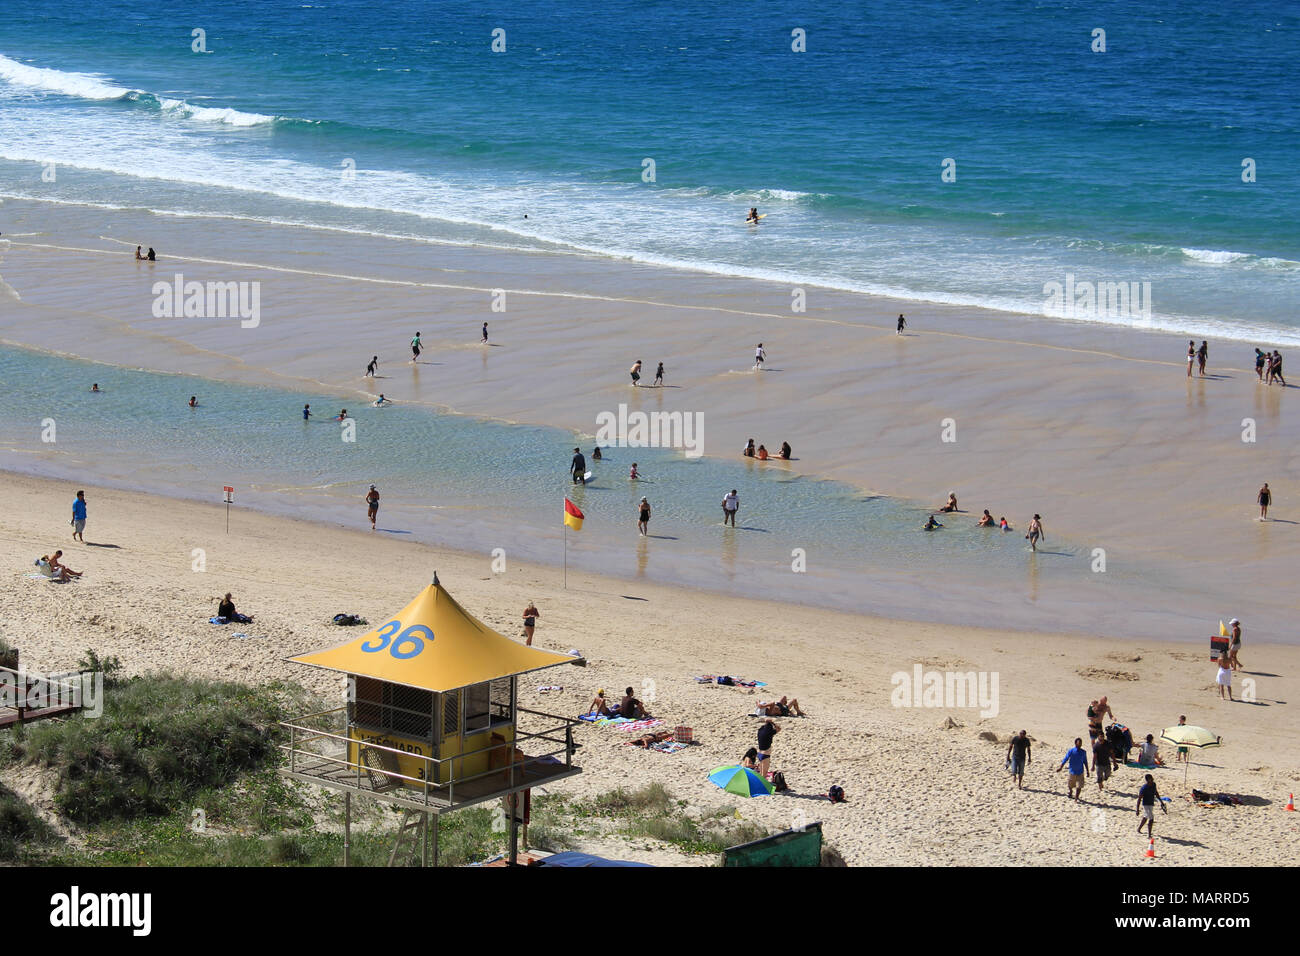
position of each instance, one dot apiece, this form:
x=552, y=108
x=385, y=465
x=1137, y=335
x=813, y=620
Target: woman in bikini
x=531, y=614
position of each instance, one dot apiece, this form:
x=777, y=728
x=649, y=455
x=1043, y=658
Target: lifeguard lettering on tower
x=432, y=722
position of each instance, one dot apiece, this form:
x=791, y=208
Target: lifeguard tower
x=432, y=721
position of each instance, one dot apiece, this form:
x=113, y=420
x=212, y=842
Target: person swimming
x=381, y=400
x=342, y=415
x=194, y=401
x=595, y=453
x=932, y=524
x=632, y=475
x=1002, y=523
x=95, y=387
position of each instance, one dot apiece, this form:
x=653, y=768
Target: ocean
x=646, y=131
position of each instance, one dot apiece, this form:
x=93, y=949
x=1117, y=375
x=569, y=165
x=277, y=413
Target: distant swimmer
x=986, y=520
x=381, y=400
x=659, y=375
x=902, y=324
x=753, y=214
x=306, y=413
x=595, y=453
x=485, y=333
x=1036, y=532
x=1002, y=523
x=931, y=524
x=952, y=503
x=578, y=467
x=372, y=505
x=342, y=416
x=138, y=254
x=759, y=356
x=194, y=401
x=415, y=347
x=635, y=371
x=785, y=451
x=643, y=517
x=373, y=367
x=152, y=256
x=632, y=475
x=95, y=387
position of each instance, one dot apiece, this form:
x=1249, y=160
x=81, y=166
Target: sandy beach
x=1097, y=428
x=919, y=793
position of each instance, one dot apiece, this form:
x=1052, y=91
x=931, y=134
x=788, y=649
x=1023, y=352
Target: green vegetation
x=21, y=830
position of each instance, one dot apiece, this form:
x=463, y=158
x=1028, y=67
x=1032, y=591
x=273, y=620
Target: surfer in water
x=342, y=416
x=753, y=214
x=578, y=467
x=373, y=367
x=380, y=401
x=931, y=524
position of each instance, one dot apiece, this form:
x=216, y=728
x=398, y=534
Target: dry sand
x=919, y=794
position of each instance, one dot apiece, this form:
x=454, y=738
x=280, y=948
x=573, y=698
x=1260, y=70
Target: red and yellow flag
x=573, y=515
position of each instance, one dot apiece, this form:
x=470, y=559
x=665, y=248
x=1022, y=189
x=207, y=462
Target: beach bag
x=836, y=794
x=683, y=735
x=778, y=782
x=349, y=620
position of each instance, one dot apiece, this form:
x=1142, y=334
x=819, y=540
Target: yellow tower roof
x=434, y=644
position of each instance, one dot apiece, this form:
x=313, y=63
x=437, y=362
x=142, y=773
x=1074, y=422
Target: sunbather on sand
x=599, y=705
x=60, y=574
x=227, y=610
x=61, y=569
x=750, y=759
x=631, y=708
x=785, y=707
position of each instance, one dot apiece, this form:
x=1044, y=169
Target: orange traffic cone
x=1151, y=849
x=1290, y=804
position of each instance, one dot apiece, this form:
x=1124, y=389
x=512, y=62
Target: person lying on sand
x=599, y=705
x=61, y=569
x=227, y=610
x=785, y=707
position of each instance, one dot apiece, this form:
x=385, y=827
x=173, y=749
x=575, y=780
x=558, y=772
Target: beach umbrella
x=1185, y=735
x=741, y=781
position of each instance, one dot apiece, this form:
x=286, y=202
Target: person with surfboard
x=578, y=467
x=753, y=214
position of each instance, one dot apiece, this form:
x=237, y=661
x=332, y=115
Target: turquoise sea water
x=399, y=119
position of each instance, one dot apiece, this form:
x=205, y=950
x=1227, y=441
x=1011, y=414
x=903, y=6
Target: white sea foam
x=1215, y=256
x=85, y=85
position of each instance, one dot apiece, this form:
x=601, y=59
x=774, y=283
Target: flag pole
x=566, y=554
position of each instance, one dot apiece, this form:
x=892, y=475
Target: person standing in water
x=1202, y=354
x=759, y=356
x=1265, y=498
x=578, y=467
x=730, y=505
x=373, y=367
x=632, y=475
x=902, y=324
x=643, y=517
x=485, y=333
x=194, y=401
x=659, y=375
x=372, y=506
x=531, y=614
x=415, y=347
x=1191, y=357
x=138, y=254
x=1036, y=532
x=306, y=413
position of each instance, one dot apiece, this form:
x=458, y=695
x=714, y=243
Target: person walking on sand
x=659, y=376
x=1265, y=498
x=1077, y=758
x=1235, y=646
x=1019, y=757
x=373, y=367
x=1147, y=797
x=578, y=467
x=485, y=342
x=1261, y=359
x=635, y=371
x=372, y=505
x=531, y=614
x=759, y=356
x=1191, y=357
x=902, y=324
x=79, y=517
x=415, y=348
x=1103, y=761
x=1275, y=368
x=1202, y=354
x=730, y=505
x=643, y=517
x=1036, y=532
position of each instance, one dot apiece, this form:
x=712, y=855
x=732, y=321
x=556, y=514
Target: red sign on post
x=230, y=494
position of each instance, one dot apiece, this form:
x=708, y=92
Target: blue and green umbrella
x=741, y=781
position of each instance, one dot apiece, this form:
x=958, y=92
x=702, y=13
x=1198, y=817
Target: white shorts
x=1148, y=812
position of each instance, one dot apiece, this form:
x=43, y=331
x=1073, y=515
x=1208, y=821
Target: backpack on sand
x=836, y=794
x=778, y=782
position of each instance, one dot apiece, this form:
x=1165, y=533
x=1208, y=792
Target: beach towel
x=638, y=724
x=217, y=620
x=667, y=746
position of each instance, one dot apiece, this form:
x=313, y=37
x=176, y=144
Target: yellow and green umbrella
x=1185, y=735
